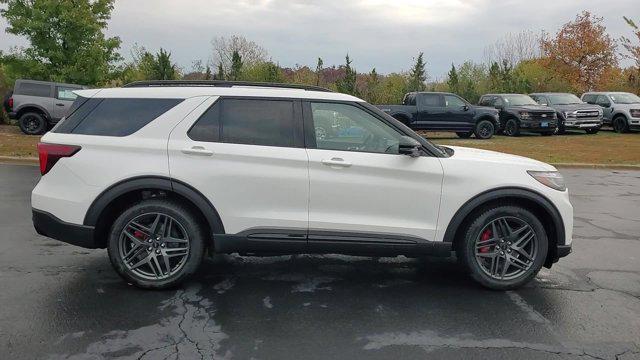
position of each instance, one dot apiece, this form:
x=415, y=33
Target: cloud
x=381, y=33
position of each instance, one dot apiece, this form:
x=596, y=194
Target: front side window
x=65, y=93
x=453, y=102
x=603, y=101
x=347, y=127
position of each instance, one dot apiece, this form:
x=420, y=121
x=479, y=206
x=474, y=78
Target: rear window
x=247, y=121
x=34, y=89
x=432, y=100
x=113, y=117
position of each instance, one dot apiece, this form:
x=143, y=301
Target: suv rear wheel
x=504, y=247
x=32, y=123
x=156, y=244
x=484, y=129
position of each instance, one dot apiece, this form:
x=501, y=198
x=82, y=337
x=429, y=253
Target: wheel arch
x=33, y=108
x=494, y=121
x=532, y=200
x=402, y=117
x=106, y=207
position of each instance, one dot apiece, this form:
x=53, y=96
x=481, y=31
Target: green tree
x=207, y=73
x=418, y=74
x=161, y=67
x=236, y=66
x=372, y=88
x=319, y=65
x=347, y=84
x=452, y=80
x=66, y=37
x=220, y=73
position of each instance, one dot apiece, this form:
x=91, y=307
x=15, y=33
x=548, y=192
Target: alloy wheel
x=506, y=248
x=154, y=246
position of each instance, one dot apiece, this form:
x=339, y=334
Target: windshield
x=518, y=100
x=563, y=99
x=625, y=98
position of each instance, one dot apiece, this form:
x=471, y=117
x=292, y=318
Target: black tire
x=466, y=247
x=620, y=124
x=464, y=135
x=512, y=128
x=592, y=131
x=560, y=130
x=547, y=133
x=32, y=123
x=179, y=213
x=485, y=129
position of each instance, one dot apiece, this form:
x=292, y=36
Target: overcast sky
x=384, y=34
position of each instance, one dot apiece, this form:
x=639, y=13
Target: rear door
x=361, y=186
x=431, y=111
x=62, y=101
x=247, y=156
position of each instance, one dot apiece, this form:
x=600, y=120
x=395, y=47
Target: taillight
x=49, y=154
x=10, y=103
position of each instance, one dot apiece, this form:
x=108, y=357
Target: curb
x=34, y=161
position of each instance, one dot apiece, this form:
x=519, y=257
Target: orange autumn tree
x=581, y=52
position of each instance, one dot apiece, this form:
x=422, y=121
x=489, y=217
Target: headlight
x=635, y=112
x=525, y=115
x=552, y=179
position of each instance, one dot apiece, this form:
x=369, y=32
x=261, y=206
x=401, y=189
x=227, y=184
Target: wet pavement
x=62, y=302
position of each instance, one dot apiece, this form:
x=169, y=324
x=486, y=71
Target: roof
x=503, y=94
x=550, y=93
x=180, y=91
x=48, y=83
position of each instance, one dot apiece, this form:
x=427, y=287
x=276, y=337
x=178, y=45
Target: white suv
x=161, y=173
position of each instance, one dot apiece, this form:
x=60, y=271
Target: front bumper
x=537, y=125
x=582, y=124
x=48, y=225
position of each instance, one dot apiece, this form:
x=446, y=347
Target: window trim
x=298, y=132
x=310, y=136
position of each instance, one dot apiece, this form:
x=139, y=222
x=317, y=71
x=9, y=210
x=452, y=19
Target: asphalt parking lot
x=63, y=302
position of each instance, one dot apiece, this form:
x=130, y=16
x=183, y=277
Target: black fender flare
x=160, y=183
x=481, y=117
x=25, y=108
x=506, y=193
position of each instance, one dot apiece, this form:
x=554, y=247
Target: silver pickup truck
x=38, y=105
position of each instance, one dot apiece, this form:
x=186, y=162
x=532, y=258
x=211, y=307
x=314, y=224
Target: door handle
x=336, y=162
x=197, y=150
x=59, y=104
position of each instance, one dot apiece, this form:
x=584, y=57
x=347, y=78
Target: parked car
x=160, y=173
x=38, y=105
x=437, y=111
x=621, y=110
x=519, y=112
x=573, y=113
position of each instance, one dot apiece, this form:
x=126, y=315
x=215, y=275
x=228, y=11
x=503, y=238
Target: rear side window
x=432, y=100
x=114, y=117
x=247, y=121
x=34, y=89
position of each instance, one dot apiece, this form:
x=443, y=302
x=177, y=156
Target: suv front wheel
x=504, y=247
x=156, y=244
x=484, y=129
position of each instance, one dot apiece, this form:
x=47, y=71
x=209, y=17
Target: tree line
x=67, y=43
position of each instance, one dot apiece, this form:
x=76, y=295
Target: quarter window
x=33, y=89
x=348, y=128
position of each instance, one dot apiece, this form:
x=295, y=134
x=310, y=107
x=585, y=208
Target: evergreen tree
x=220, y=74
x=319, y=71
x=236, y=66
x=207, y=73
x=453, y=81
x=418, y=75
x=347, y=84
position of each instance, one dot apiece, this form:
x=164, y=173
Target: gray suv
x=38, y=105
x=621, y=109
x=573, y=113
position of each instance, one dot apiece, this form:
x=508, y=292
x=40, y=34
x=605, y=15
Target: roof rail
x=221, y=83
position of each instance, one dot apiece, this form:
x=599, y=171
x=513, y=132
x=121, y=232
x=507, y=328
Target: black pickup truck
x=436, y=111
x=519, y=113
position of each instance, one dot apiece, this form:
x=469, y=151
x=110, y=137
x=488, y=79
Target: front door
x=459, y=114
x=63, y=100
x=361, y=185
x=247, y=157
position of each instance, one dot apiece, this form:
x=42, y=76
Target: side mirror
x=409, y=146
x=465, y=107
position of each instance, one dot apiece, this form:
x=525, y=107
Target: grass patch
x=16, y=144
x=605, y=147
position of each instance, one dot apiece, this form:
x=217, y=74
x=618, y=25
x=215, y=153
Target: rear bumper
x=50, y=226
x=13, y=115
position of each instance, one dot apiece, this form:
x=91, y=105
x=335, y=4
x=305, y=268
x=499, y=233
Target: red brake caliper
x=139, y=234
x=486, y=235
